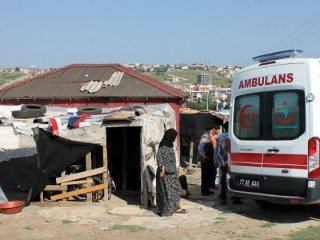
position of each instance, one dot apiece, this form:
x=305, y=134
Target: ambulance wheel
x=263, y=203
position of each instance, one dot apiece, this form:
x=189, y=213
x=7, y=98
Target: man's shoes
x=237, y=202
x=223, y=202
x=215, y=188
x=206, y=194
x=211, y=192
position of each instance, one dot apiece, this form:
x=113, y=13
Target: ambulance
x=274, y=130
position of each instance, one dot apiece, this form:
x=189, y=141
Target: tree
x=201, y=105
x=17, y=69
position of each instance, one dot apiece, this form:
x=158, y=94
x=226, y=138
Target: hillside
x=188, y=76
x=7, y=77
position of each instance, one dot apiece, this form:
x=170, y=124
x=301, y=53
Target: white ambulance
x=274, y=130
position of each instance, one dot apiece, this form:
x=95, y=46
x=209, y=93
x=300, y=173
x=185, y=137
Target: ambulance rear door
x=269, y=140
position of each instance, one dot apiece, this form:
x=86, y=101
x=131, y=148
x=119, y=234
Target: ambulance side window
x=247, y=117
x=287, y=115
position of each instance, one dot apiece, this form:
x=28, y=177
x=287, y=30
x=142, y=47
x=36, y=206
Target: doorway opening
x=124, y=161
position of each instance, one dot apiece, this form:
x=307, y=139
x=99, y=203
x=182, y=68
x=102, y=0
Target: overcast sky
x=56, y=33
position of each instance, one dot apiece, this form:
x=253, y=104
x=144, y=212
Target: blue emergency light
x=278, y=55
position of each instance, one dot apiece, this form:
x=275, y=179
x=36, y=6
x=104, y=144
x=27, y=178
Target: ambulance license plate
x=249, y=183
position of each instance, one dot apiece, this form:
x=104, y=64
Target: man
x=215, y=133
x=221, y=161
x=205, y=156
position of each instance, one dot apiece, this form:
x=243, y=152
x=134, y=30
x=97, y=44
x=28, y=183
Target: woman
x=168, y=186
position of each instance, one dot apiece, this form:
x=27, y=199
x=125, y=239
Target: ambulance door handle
x=273, y=150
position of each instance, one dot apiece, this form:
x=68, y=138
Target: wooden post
x=41, y=197
x=143, y=174
x=105, y=174
x=89, y=167
x=191, y=153
x=145, y=191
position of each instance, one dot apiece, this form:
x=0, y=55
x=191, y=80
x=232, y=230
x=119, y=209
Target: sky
x=56, y=33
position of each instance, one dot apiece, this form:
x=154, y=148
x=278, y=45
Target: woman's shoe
x=207, y=194
x=181, y=211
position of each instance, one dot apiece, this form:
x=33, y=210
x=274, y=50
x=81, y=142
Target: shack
x=129, y=135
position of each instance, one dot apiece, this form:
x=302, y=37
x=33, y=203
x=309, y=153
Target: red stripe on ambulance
x=297, y=161
x=246, y=157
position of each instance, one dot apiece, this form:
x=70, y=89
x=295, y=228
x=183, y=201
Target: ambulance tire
x=34, y=107
x=263, y=203
x=89, y=110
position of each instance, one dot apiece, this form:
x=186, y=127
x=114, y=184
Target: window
x=247, y=120
x=277, y=115
x=285, y=115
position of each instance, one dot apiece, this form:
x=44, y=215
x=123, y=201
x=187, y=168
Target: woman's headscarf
x=168, y=138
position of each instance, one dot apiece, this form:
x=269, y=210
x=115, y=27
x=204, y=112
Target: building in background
x=204, y=78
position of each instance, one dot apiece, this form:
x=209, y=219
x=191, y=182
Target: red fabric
x=81, y=119
x=54, y=126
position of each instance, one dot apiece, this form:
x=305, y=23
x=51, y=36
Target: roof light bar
x=278, y=55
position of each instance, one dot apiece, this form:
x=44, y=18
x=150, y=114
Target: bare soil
x=206, y=219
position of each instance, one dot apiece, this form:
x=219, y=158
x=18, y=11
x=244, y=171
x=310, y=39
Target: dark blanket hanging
x=24, y=178
x=194, y=125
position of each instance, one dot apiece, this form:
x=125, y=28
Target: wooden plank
x=63, y=174
x=55, y=188
x=80, y=175
x=80, y=191
x=77, y=182
x=105, y=174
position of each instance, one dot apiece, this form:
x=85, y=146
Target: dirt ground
x=206, y=219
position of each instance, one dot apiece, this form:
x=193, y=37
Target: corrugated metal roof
x=66, y=82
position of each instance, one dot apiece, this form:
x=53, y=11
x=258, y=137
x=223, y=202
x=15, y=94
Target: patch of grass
x=129, y=228
x=309, y=233
x=8, y=77
x=245, y=236
x=0, y=222
x=28, y=228
x=66, y=221
x=220, y=219
x=188, y=76
x=268, y=225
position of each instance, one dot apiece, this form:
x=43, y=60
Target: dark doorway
x=124, y=156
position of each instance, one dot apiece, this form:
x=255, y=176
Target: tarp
x=194, y=125
x=24, y=178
